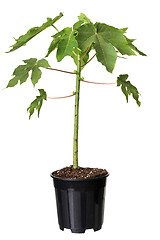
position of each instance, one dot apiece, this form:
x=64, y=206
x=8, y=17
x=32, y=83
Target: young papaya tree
x=77, y=41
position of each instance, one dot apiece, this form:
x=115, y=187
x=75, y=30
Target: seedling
x=107, y=42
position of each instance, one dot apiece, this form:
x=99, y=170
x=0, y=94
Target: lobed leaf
x=37, y=103
x=107, y=41
x=105, y=52
x=21, y=73
x=22, y=40
x=127, y=88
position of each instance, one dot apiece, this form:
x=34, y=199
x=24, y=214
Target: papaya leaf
x=37, y=103
x=66, y=45
x=22, y=40
x=105, y=52
x=106, y=40
x=127, y=88
x=21, y=73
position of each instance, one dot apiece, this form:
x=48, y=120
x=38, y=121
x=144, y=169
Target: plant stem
x=76, y=116
x=55, y=28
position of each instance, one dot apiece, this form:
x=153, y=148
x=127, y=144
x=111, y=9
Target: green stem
x=55, y=28
x=76, y=116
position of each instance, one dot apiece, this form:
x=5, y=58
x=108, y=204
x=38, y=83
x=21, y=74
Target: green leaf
x=127, y=88
x=84, y=18
x=22, y=40
x=37, y=103
x=106, y=40
x=21, y=73
x=66, y=45
x=105, y=52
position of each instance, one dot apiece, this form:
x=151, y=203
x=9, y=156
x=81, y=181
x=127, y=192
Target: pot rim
x=79, y=180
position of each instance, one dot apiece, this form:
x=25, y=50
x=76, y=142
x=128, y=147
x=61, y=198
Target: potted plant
x=80, y=192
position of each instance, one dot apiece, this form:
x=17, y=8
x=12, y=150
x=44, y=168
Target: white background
x=120, y=137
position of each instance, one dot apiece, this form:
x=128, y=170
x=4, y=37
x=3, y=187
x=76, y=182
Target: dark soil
x=79, y=173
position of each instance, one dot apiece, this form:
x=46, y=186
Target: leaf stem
x=55, y=28
x=88, y=60
x=75, y=93
x=61, y=97
x=85, y=52
x=97, y=82
x=60, y=70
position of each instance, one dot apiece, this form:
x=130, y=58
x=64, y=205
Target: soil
x=79, y=173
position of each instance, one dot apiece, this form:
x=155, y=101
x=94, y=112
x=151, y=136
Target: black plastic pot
x=80, y=203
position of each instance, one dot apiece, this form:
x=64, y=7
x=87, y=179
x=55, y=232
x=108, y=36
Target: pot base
x=80, y=230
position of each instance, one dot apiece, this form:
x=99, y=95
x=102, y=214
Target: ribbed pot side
x=80, y=203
